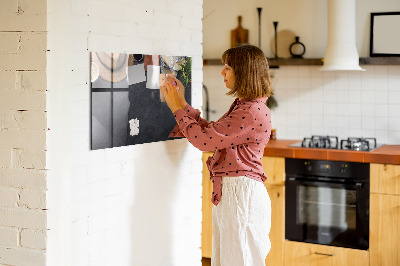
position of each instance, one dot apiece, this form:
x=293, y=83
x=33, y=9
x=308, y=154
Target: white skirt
x=241, y=223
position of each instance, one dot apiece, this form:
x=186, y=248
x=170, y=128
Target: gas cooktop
x=332, y=142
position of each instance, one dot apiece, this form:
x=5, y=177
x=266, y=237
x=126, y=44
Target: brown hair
x=250, y=66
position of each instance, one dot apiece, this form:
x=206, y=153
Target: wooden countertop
x=389, y=154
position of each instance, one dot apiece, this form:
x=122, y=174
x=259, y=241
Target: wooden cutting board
x=239, y=35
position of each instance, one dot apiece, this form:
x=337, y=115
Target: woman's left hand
x=171, y=95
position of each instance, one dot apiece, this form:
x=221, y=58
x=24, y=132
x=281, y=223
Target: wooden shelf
x=294, y=62
x=274, y=63
x=380, y=61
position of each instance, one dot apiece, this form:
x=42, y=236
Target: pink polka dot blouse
x=238, y=139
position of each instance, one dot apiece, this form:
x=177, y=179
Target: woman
x=242, y=208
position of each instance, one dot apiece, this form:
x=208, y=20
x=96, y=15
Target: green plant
x=186, y=68
x=271, y=102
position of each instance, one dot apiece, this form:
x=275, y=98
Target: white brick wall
x=93, y=196
x=23, y=132
x=9, y=237
x=135, y=205
x=33, y=239
x=8, y=197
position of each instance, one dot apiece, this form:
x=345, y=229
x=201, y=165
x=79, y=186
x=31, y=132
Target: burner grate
x=332, y=142
x=327, y=142
x=358, y=144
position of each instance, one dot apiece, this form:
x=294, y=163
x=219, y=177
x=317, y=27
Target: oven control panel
x=338, y=169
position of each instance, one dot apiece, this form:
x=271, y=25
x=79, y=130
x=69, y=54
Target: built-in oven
x=327, y=202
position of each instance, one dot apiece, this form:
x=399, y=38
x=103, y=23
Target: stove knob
x=343, y=168
x=308, y=166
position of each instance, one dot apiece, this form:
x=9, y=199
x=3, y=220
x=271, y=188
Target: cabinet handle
x=324, y=254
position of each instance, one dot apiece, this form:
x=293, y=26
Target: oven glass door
x=326, y=207
x=326, y=213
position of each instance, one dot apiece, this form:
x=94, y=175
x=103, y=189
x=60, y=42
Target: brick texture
x=23, y=125
x=33, y=239
x=23, y=218
x=44, y=67
x=8, y=197
x=9, y=237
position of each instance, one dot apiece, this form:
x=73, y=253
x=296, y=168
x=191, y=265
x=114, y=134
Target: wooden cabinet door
x=304, y=254
x=274, y=168
x=206, y=226
x=277, y=233
x=385, y=178
x=384, y=236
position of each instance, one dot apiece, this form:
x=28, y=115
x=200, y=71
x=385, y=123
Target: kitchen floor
x=206, y=261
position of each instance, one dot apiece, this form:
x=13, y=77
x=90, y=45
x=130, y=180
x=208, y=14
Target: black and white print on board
x=127, y=105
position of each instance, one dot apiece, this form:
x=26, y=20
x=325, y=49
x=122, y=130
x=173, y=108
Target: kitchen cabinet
x=384, y=247
x=385, y=178
x=384, y=221
x=274, y=168
x=206, y=225
x=277, y=233
x=385, y=230
x=305, y=254
x=385, y=215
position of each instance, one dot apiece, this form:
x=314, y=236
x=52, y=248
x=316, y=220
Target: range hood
x=341, y=51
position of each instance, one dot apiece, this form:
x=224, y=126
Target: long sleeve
x=238, y=139
x=229, y=131
x=193, y=113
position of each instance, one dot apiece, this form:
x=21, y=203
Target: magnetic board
x=127, y=105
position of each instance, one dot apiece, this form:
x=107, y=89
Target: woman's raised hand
x=172, y=95
x=181, y=90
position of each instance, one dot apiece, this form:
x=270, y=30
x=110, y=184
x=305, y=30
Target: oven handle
x=357, y=185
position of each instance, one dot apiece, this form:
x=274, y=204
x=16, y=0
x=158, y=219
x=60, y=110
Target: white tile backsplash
x=381, y=83
x=342, y=109
x=368, y=123
x=292, y=82
x=342, y=123
x=355, y=96
x=394, y=82
x=342, y=96
x=329, y=109
x=381, y=110
x=394, y=110
x=304, y=82
x=380, y=71
x=291, y=71
x=367, y=96
x=381, y=122
x=367, y=110
x=345, y=103
x=394, y=137
x=381, y=97
x=394, y=97
x=304, y=72
x=394, y=123
x=382, y=136
x=367, y=78
x=393, y=71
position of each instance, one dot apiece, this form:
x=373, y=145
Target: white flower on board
x=134, y=126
